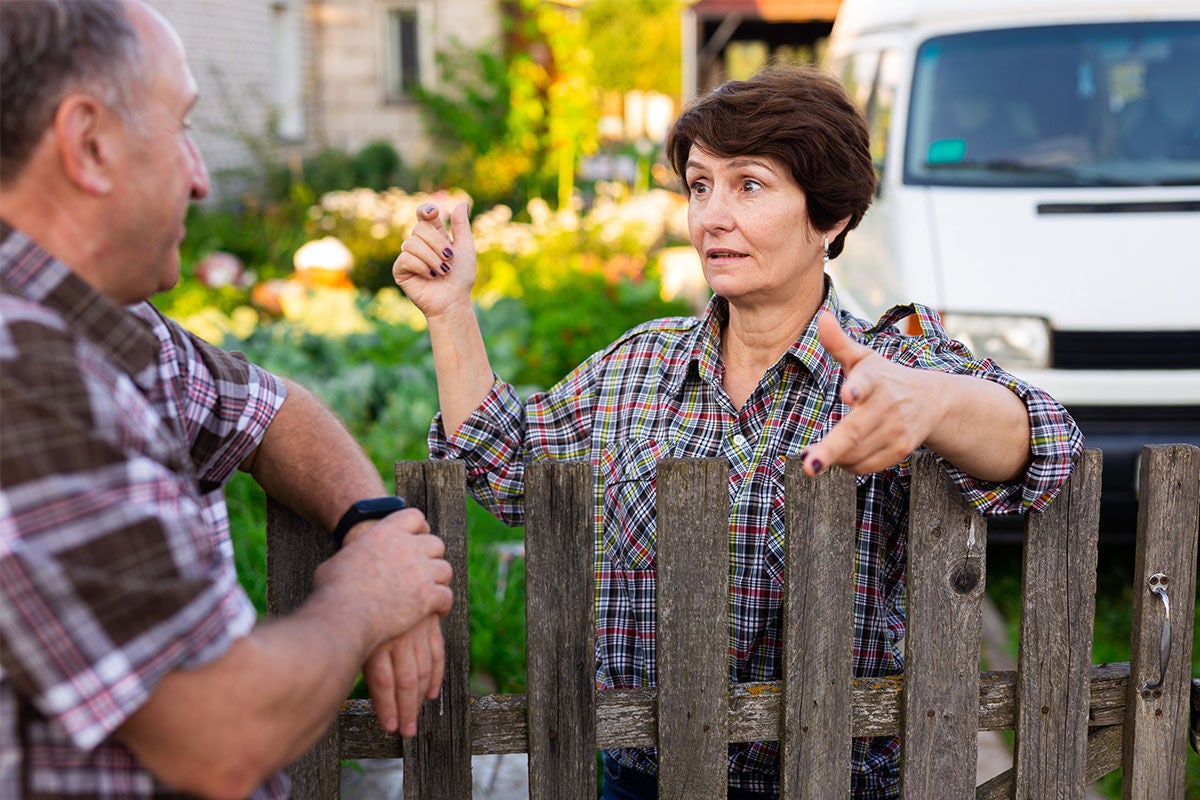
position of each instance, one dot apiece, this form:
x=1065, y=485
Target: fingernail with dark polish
x=817, y=466
x=445, y=267
x=448, y=253
x=803, y=455
x=433, y=273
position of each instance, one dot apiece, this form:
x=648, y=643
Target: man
x=130, y=662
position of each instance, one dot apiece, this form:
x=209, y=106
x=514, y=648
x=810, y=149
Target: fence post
x=437, y=761
x=693, y=628
x=1058, y=609
x=560, y=641
x=1156, y=717
x=295, y=547
x=946, y=557
x=818, y=633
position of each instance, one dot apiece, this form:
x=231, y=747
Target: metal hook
x=1158, y=585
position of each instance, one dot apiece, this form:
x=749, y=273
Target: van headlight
x=1013, y=342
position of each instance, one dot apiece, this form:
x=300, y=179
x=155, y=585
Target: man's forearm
x=220, y=729
x=309, y=461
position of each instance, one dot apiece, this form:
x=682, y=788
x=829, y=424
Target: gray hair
x=49, y=48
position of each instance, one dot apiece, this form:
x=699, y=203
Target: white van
x=1039, y=167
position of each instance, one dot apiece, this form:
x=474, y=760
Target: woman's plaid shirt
x=657, y=393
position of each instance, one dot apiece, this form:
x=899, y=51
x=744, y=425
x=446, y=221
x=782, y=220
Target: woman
x=777, y=171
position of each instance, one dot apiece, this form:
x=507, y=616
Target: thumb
x=847, y=351
x=428, y=212
x=460, y=223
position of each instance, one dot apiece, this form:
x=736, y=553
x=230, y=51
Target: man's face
x=160, y=170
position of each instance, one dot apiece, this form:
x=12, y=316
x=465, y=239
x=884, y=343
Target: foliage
x=635, y=44
x=514, y=125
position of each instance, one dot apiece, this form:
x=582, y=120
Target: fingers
x=381, y=685
x=428, y=249
x=413, y=665
x=417, y=660
x=888, y=416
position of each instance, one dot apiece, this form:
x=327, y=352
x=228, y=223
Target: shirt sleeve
x=1055, y=441
x=504, y=434
x=228, y=401
x=110, y=573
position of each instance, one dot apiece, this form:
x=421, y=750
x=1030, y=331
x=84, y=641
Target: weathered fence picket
x=1074, y=721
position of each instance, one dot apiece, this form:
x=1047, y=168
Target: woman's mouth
x=717, y=254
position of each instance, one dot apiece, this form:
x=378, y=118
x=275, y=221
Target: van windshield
x=1066, y=105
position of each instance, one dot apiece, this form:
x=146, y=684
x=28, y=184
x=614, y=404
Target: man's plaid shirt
x=657, y=393
x=116, y=567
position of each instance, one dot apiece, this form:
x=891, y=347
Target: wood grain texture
x=628, y=717
x=693, y=628
x=818, y=644
x=560, y=640
x=1156, y=722
x=437, y=763
x=946, y=563
x=295, y=547
x=1058, y=608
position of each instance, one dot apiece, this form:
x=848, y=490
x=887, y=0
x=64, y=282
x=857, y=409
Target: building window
x=404, y=64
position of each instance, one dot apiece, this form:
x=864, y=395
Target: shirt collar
x=29, y=271
x=704, y=349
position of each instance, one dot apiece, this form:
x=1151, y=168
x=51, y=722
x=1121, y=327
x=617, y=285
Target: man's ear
x=84, y=130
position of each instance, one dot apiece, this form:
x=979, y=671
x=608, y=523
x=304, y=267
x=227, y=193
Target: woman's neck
x=754, y=339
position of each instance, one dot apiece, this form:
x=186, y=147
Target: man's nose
x=201, y=184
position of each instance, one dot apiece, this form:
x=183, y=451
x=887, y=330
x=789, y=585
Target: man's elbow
x=230, y=773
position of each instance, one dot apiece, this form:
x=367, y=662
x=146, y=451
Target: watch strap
x=363, y=510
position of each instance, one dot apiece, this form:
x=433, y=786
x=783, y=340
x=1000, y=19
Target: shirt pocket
x=629, y=469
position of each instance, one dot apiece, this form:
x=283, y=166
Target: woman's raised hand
x=436, y=267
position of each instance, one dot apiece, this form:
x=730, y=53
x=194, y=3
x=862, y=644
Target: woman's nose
x=716, y=213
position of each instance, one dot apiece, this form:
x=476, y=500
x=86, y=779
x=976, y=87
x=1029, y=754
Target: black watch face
x=380, y=505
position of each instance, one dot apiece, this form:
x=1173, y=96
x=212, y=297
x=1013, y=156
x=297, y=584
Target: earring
x=825, y=263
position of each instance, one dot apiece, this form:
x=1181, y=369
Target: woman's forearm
x=460, y=359
x=982, y=427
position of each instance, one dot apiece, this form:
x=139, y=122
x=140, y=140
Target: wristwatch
x=372, y=508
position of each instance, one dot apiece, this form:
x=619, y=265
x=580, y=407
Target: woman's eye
x=698, y=188
x=750, y=185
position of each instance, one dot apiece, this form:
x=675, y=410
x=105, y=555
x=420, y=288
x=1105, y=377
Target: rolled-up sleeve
x=1055, y=441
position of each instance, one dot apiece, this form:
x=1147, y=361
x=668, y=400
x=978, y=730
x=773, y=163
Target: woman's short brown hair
x=799, y=115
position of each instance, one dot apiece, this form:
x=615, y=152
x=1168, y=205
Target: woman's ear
x=84, y=131
x=837, y=229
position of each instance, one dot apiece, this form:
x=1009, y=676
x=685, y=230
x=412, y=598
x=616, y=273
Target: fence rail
x=1073, y=721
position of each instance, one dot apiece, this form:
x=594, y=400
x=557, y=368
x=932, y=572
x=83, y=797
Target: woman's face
x=748, y=220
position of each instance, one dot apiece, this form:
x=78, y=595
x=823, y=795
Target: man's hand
x=403, y=673
x=391, y=574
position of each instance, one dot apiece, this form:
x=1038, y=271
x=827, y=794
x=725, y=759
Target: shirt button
x=739, y=440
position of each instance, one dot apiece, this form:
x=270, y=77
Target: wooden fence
x=1073, y=721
